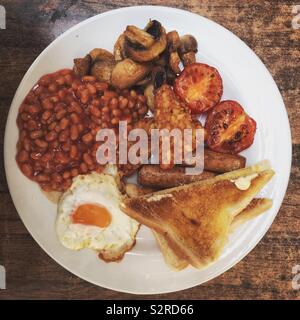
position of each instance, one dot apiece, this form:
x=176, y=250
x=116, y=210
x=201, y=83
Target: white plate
x=245, y=78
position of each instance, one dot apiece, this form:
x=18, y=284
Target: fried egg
x=89, y=216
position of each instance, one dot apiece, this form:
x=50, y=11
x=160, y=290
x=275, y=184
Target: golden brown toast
x=176, y=261
x=195, y=218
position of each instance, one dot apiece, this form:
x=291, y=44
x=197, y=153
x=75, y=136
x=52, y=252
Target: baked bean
x=60, y=81
x=68, y=79
x=45, y=80
x=88, y=79
x=63, y=136
x=117, y=112
x=32, y=109
x=23, y=135
x=36, y=155
x=55, y=99
x=25, y=116
x=114, y=103
x=41, y=143
x=64, y=122
x=31, y=125
x=95, y=120
x=62, y=94
x=74, y=118
x=135, y=115
x=66, y=146
x=36, y=134
x=62, y=158
x=52, y=125
x=87, y=138
x=46, y=115
x=105, y=110
x=80, y=127
x=105, y=117
x=115, y=121
x=96, y=102
x=92, y=89
x=56, y=177
x=22, y=156
x=27, y=169
x=94, y=111
x=46, y=157
x=76, y=107
x=91, y=167
x=52, y=87
x=57, y=129
x=87, y=159
x=123, y=103
x=74, y=132
x=60, y=114
x=143, y=110
x=47, y=104
x=73, y=151
x=131, y=104
x=42, y=177
x=74, y=172
x=66, y=175
x=85, y=96
x=27, y=144
x=83, y=167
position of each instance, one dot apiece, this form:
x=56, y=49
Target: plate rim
x=241, y=43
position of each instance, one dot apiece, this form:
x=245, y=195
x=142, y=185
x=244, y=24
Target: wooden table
x=266, y=273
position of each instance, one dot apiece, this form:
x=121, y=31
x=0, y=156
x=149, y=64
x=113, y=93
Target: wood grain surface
x=266, y=273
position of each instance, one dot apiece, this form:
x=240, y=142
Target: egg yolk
x=92, y=214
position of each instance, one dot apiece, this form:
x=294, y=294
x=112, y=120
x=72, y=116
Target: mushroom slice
x=99, y=54
x=188, y=58
x=102, y=70
x=145, y=81
x=188, y=44
x=174, y=61
x=119, y=48
x=136, y=35
x=82, y=65
x=127, y=73
x=140, y=53
x=159, y=77
x=173, y=41
x=162, y=60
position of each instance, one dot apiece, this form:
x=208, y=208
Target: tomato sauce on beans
x=58, y=122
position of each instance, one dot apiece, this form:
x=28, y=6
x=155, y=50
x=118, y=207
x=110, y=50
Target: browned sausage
x=221, y=162
x=155, y=177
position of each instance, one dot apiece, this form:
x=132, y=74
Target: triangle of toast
x=195, y=219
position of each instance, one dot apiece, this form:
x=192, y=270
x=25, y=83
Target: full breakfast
x=151, y=82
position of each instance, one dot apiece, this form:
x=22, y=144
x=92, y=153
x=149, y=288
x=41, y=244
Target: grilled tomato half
x=229, y=129
x=200, y=86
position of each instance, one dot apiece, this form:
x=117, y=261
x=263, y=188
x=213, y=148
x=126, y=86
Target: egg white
x=112, y=241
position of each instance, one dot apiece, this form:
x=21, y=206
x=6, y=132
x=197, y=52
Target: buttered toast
x=195, y=219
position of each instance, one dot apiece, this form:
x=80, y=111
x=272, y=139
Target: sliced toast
x=195, y=219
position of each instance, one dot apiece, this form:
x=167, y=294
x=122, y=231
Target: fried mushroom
x=119, y=48
x=82, y=66
x=127, y=73
x=138, y=52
